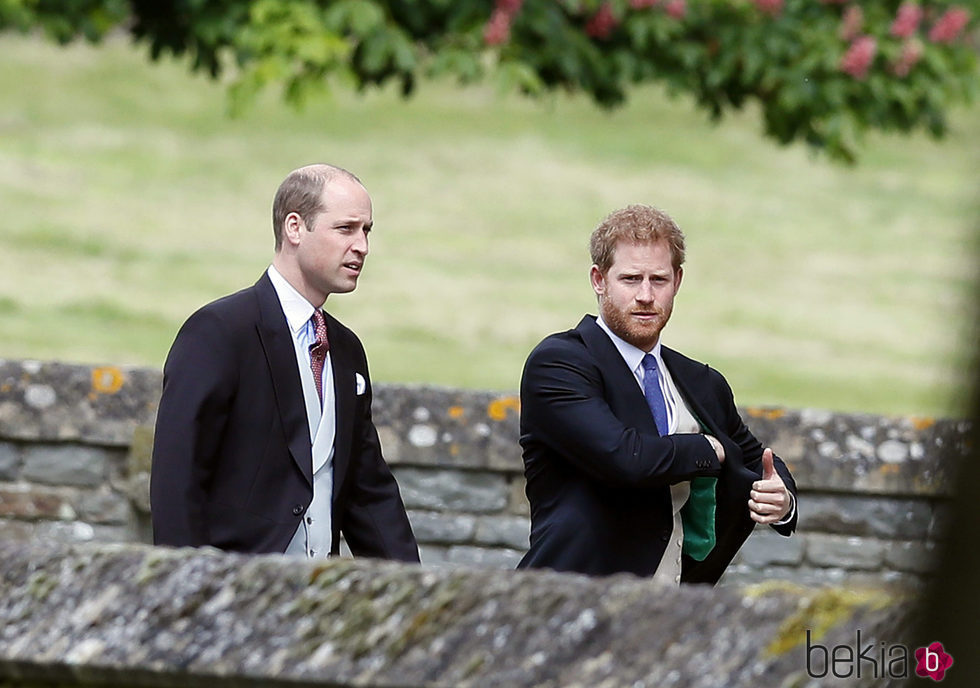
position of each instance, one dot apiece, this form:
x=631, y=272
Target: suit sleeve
x=375, y=523
x=198, y=385
x=563, y=405
x=752, y=449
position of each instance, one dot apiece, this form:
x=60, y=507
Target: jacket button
x=298, y=510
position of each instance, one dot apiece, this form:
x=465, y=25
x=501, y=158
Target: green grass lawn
x=129, y=199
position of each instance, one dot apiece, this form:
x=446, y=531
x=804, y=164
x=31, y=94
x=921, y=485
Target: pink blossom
x=642, y=4
x=907, y=20
x=948, y=27
x=858, y=57
x=676, y=8
x=770, y=7
x=602, y=23
x=852, y=22
x=911, y=54
x=497, y=30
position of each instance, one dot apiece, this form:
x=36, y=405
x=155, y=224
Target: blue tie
x=655, y=397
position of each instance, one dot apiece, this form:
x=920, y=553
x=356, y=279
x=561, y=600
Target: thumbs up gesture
x=769, y=500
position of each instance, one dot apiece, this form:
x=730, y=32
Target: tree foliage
x=821, y=71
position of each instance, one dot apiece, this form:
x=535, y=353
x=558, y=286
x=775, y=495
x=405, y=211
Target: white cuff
x=790, y=514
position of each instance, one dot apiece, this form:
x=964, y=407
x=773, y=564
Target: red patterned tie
x=318, y=352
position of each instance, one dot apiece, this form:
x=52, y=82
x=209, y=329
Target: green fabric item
x=698, y=516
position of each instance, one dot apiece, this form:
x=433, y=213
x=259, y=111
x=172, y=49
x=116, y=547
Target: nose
x=361, y=243
x=645, y=293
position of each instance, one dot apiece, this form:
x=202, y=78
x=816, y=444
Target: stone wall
x=131, y=615
x=75, y=444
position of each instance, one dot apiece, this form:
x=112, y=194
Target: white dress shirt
x=313, y=537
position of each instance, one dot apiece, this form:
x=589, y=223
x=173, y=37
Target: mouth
x=354, y=267
x=644, y=315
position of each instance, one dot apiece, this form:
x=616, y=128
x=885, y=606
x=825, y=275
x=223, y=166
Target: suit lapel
x=344, y=396
x=280, y=356
x=621, y=389
x=690, y=378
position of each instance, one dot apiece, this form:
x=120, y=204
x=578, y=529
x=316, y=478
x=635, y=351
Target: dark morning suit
x=598, y=473
x=232, y=463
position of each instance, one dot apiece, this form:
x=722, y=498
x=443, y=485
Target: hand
x=717, y=446
x=769, y=500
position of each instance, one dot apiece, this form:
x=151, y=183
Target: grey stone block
x=895, y=581
x=70, y=532
x=844, y=552
x=913, y=557
x=104, y=506
x=484, y=557
x=519, y=506
x=434, y=556
x=442, y=527
x=32, y=502
x=448, y=490
x=142, y=528
x=432, y=426
x=506, y=531
x=56, y=402
x=15, y=530
x=862, y=453
x=65, y=464
x=9, y=460
x=871, y=514
x=743, y=574
x=765, y=548
x=140, y=454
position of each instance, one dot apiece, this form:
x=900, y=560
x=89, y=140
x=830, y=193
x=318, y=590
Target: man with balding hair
x=264, y=439
x=635, y=456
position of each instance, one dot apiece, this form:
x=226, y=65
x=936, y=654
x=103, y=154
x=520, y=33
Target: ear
x=292, y=229
x=598, y=280
x=680, y=276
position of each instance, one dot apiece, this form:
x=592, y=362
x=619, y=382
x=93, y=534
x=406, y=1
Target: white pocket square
x=361, y=385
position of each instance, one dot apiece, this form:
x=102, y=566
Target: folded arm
x=563, y=404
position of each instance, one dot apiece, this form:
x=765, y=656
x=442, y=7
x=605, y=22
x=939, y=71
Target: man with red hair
x=635, y=456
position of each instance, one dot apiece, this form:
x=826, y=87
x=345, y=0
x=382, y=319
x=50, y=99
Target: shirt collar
x=297, y=309
x=631, y=354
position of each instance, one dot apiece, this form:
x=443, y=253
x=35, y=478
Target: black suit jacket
x=232, y=458
x=599, y=474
